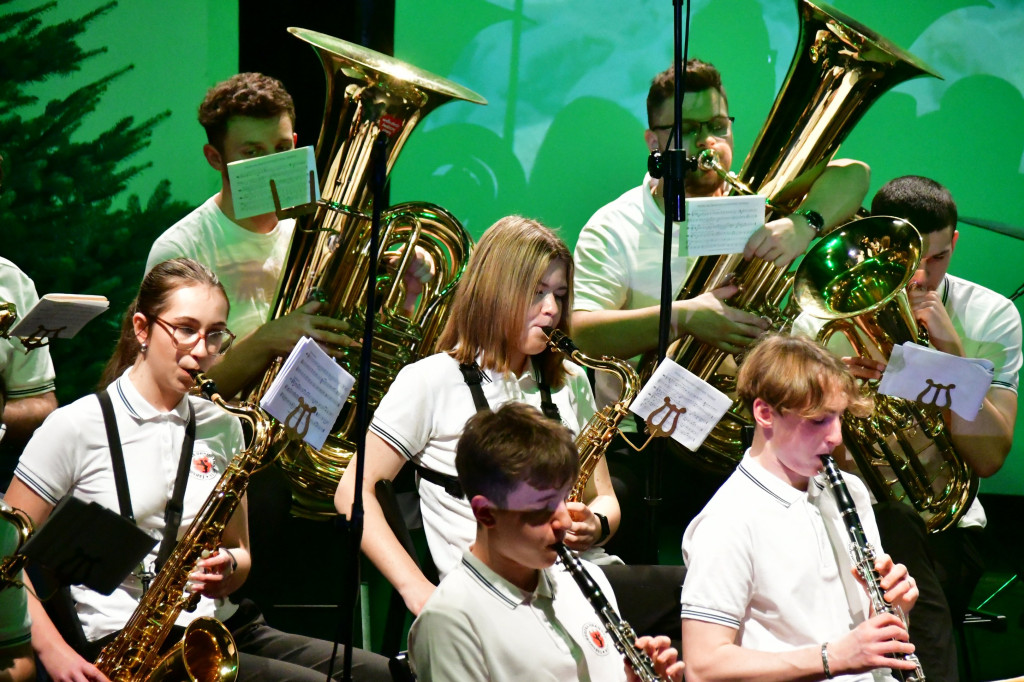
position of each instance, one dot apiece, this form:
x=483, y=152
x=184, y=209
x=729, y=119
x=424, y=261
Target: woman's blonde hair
x=489, y=308
x=795, y=374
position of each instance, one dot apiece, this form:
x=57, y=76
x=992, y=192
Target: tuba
x=593, y=439
x=857, y=280
x=207, y=651
x=368, y=94
x=840, y=68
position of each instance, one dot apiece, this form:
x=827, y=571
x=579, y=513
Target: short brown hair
x=796, y=374
x=700, y=76
x=495, y=293
x=245, y=94
x=515, y=444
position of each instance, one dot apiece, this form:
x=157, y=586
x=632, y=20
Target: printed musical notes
x=308, y=393
x=290, y=172
x=680, y=404
x=720, y=225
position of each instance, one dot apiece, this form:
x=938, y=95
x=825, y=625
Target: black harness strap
x=174, y=508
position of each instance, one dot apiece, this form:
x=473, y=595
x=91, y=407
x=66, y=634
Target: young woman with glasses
x=177, y=324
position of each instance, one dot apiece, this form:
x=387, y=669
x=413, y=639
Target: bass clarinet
x=620, y=631
x=863, y=556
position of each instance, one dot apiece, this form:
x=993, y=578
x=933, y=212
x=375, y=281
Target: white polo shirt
x=25, y=373
x=248, y=264
x=989, y=327
x=69, y=454
x=772, y=562
x=618, y=259
x=422, y=416
x=478, y=626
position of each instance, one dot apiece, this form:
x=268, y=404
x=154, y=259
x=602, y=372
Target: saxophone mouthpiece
x=559, y=341
x=205, y=384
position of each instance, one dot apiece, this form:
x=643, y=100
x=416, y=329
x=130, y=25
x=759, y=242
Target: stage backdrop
x=566, y=84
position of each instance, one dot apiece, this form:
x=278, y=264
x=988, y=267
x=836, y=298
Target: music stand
x=75, y=545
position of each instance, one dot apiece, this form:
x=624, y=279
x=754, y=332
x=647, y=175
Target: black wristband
x=814, y=219
x=606, y=529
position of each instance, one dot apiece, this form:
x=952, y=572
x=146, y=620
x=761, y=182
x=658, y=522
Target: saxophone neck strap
x=173, y=510
x=474, y=377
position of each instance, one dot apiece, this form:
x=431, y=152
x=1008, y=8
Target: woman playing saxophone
x=177, y=325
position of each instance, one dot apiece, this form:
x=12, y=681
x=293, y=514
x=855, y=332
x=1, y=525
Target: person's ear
x=214, y=158
x=483, y=510
x=651, y=138
x=952, y=243
x=764, y=415
x=140, y=325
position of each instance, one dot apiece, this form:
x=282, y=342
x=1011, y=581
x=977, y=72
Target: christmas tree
x=57, y=207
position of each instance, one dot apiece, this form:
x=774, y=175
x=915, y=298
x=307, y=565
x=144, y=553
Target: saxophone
x=594, y=438
x=10, y=566
x=622, y=634
x=207, y=652
x=863, y=555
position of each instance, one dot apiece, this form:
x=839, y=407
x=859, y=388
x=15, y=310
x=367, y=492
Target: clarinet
x=863, y=556
x=621, y=632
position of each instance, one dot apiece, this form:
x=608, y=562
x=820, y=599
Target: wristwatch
x=814, y=219
x=605, y=528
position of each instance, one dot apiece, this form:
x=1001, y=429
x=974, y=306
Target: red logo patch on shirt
x=596, y=638
x=204, y=466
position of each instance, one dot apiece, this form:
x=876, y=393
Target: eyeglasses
x=719, y=126
x=217, y=342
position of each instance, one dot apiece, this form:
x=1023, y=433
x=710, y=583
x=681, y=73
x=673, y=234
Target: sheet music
x=59, y=316
x=250, y=181
x=721, y=225
x=929, y=376
x=308, y=393
x=678, y=401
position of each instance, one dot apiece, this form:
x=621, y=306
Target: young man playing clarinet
x=506, y=612
x=770, y=592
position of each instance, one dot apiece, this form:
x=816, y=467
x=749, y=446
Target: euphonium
x=594, y=438
x=368, y=94
x=857, y=279
x=10, y=566
x=207, y=651
x=863, y=556
x=840, y=68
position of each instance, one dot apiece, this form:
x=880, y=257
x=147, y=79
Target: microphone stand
x=354, y=524
x=673, y=164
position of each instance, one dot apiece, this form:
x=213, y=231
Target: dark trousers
x=944, y=567
x=269, y=654
x=648, y=598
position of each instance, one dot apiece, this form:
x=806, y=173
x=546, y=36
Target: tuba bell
x=857, y=280
x=368, y=94
x=840, y=68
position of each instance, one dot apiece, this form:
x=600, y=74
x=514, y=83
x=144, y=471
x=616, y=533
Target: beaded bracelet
x=824, y=660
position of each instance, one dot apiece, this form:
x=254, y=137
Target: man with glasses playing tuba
x=619, y=251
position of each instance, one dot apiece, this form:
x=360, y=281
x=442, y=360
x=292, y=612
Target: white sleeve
x=404, y=417
x=719, y=581
x=601, y=279
x=443, y=645
x=50, y=464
